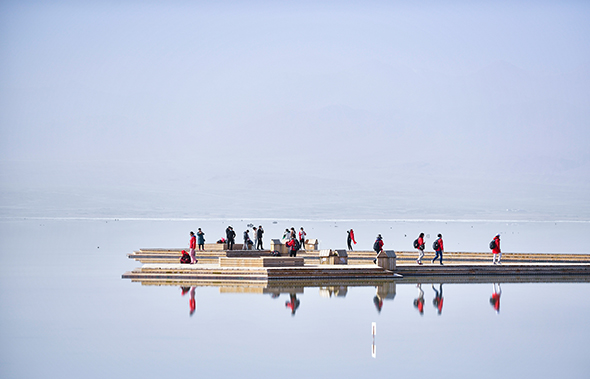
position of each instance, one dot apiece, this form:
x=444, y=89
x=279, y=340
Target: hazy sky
x=404, y=104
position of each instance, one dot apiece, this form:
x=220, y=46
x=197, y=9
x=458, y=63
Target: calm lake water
x=67, y=313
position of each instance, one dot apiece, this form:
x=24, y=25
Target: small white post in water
x=374, y=347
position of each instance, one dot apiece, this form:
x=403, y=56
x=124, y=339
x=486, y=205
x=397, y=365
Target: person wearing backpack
x=495, y=246
x=294, y=246
x=419, y=244
x=378, y=246
x=438, y=249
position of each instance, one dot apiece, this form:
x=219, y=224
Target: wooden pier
x=260, y=266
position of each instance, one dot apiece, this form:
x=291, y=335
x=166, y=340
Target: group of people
x=195, y=240
x=248, y=243
x=294, y=241
x=437, y=246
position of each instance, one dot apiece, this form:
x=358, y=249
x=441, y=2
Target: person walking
x=201, y=239
x=438, y=249
x=193, y=245
x=419, y=244
x=378, y=246
x=350, y=239
x=231, y=237
x=497, y=253
x=259, y=234
x=302, y=236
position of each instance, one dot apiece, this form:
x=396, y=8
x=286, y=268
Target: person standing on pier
x=350, y=239
x=231, y=237
x=255, y=235
x=201, y=239
x=378, y=246
x=246, y=240
x=259, y=234
x=193, y=245
x=419, y=244
x=496, y=250
x=302, y=235
x=438, y=249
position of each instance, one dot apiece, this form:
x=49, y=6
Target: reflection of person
x=350, y=239
x=192, y=302
x=419, y=301
x=420, y=247
x=438, y=249
x=193, y=245
x=495, y=298
x=378, y=303
x=201, y=239
x=438, y=299
x=259, y=234
x=293, y=303
x=231, y=235
x=496, y=250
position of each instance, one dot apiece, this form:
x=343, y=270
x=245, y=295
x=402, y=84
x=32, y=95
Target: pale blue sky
x=344, y=89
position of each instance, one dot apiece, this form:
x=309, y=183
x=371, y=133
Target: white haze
x=337, y=110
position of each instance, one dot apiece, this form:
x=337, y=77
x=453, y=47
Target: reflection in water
x=438, y=298
x=293, y=303
x=419, y=301
x=495, y=298
x=192, y=303
x=385, y=291
x=328, y=291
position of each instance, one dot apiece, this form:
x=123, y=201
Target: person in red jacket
x=420, y=248
x=496, y=250
x=193, y=245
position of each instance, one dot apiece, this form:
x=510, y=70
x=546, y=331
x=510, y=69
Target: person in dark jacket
x=378, y=246
x=259, y=234
x=201, y=239
x=350, y=239
x=231, y=237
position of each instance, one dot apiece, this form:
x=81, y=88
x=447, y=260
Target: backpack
x=296, y=245
x=376, y=246
x=185, y=258
x=493, y=244
x=436, y=245
x=416, y=246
